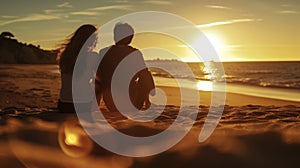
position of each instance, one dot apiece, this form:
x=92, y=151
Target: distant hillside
x=14, y=52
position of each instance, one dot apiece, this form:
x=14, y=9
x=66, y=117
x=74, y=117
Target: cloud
x=288, y=12
x=95, y=11
x=50, y=11
x=217, y=7
x=9, y=17
x=65, y=5
x=121, y=1
x=30, y=18
x=119, y=7
x=158, y=2
x=227, y=22
x=86, y=13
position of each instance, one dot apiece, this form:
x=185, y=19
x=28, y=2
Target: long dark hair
x=71, y=48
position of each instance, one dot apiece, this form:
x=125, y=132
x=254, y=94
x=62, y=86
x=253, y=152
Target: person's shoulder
x=93, y=54
x=104, y=50
x=135, y=50
x=92, y=58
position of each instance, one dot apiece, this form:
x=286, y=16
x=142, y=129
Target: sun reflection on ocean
x=205, y=85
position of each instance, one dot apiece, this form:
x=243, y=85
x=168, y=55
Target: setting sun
x=216, y=41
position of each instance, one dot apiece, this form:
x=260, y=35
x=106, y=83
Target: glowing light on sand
x=205, y=85
x=73, y=140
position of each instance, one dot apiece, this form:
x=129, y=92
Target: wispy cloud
x=227, y=22
x=9, y=17
x=285, y=5
x=288, y=12
x=86, y=13
x=97, y=10
x=111, y=7
x=51, y=11
x=158, y=2
x=121, y=1
x=29, y=18
x=217, y=7
x=65, y=5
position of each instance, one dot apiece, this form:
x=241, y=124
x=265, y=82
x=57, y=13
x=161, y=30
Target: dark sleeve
x=145, y=76
x=101, y=55
x=139, y=60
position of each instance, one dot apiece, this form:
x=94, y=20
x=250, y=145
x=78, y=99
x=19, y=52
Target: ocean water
x=278, y=80
x=260, y=74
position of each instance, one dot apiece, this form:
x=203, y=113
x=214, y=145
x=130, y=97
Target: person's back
x=67, y=59
x=111, y=59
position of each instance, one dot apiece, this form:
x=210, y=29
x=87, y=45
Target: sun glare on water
x=205, y=85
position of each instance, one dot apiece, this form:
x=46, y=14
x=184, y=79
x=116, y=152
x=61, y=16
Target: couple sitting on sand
x=140, y=85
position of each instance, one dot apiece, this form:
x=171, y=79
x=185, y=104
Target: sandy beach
x=253, y=131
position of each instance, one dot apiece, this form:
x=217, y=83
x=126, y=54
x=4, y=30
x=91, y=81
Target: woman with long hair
x=82, y=42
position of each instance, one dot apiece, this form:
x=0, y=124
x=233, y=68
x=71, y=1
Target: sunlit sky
x=240, y=30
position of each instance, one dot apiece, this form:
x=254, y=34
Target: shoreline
x=243, y=93
x=232, y=99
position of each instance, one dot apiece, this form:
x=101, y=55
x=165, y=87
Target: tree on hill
x=14, y=52
x=7, y=35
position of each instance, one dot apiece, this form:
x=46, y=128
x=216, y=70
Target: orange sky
x=256, y=30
